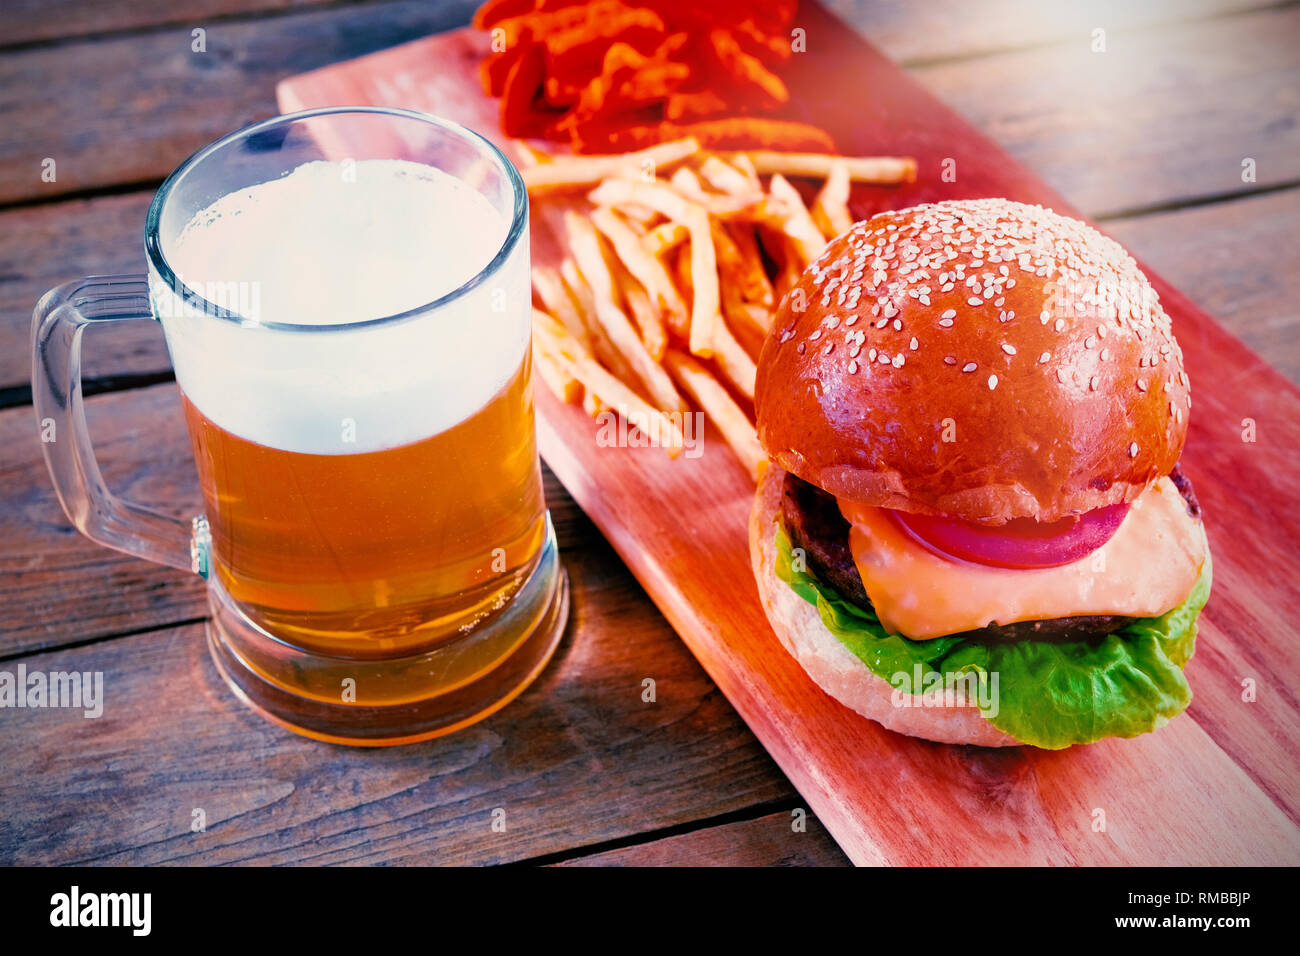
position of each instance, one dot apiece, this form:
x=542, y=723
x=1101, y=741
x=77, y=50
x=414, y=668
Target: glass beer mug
x=346, y=301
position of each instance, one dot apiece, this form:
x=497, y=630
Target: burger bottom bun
x=832, y=665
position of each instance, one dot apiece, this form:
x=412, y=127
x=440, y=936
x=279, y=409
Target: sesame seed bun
x=980, y=358
x=830, y=664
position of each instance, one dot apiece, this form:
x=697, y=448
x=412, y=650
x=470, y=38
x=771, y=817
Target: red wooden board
x=1219, y=785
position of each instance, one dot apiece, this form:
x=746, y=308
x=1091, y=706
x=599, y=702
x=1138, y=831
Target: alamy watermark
x=931, y=688
x=81, y=690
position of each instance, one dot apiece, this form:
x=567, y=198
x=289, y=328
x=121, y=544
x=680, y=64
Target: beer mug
x=346, y=302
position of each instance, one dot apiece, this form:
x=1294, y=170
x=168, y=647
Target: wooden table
x=1150, y=139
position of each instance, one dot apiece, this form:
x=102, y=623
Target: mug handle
x=57, y=324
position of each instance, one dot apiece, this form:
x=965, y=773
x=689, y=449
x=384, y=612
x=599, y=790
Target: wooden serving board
x=1218, y=785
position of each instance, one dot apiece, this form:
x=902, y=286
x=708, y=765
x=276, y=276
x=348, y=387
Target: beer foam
x=332, y=243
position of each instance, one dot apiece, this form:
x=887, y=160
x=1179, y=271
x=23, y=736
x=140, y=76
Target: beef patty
x=813, y=521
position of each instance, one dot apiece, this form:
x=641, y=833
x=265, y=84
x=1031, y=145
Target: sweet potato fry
x=747, y=70
x=522, y=85
x=733, y=133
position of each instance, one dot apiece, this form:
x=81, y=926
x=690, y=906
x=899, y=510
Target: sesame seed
x=1009, y=349
x=899, y=360
x=949, y=314
x=853, y=367
x=1060, y=324
x=871, y=355
x=974, y=300
x=1044, y=357
x=950, y=360
x=1105, y=354
x=1093, y=383
x=1133, y=450
x=993, y=382
x=913, y=344
x=898, y=325
x=969, y=367
x=1142, y=385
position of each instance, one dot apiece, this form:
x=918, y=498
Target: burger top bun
x=977, y=358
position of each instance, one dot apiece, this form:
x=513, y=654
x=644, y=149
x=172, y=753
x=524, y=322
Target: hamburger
x=974, y=527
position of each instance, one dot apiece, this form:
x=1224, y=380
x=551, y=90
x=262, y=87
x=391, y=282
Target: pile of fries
x=666, y=293
x=614, y=75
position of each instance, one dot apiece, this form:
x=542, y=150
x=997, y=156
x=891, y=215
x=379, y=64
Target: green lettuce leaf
x=1047, y=694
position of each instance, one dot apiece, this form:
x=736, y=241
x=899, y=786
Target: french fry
x=644, y=312
x=790, y=268
x=613, y=394
x=601, y=346
x=550, y=289
x=646, y=269
x=556, y=378
x=745, y=165
x=786, y=207
x=743, y=276
x=864, y=169
x=664, y=237
x=830, y=210
x=726, y=178
x=722, y=410
x=733, y=360
x=757, y=286
x=747, y=321
x=546, y=333
x=580, y=172
x=686, y=182
x=705, y=301
x=584, y=243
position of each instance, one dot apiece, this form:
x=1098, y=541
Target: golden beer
x=380, y=553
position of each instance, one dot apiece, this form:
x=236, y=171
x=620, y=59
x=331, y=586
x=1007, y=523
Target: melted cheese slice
x=1146, y=569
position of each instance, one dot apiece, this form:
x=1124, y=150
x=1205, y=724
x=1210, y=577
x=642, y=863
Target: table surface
x=112, y=95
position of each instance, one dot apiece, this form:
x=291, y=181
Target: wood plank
x=1237, y=261
x=130, y=108
x=907, y=32
x=31, y=21
x=579, y=758
x=1204, y=788
x=1163, y=116
x=45, y=245
x=766, y=841
x=58, y=587
x=915, y=33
